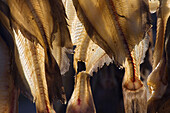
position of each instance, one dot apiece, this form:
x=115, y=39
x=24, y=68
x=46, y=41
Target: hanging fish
x=157, y=80
x=30, y=59
x=119, y=27
x=164, y=102
x=91, y=56
x=36, y=24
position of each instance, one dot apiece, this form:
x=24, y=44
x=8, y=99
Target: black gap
x=81, y=66
x=6, y=36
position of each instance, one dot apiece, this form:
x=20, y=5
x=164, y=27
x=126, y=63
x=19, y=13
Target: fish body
x=119, y=27
x=88, y=53
x=42, y=39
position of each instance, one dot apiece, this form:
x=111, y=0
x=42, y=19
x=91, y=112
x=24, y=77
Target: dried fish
x=157, y=80
x=42, y=39
x=120, y=26
x=91, y=54
x=30, y=59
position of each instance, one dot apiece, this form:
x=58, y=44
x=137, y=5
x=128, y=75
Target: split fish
x=89, y=54
x=120, y=28
x=35, y=25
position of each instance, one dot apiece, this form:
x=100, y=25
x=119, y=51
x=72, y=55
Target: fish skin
x=45, y=86
x=164, y=103
x=87, y=51
x=60, y=55
x=115, y=30
x=8, y=91
x=55, y=86
x=81, y=100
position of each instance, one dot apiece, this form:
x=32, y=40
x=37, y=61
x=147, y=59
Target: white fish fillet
x=31, y=60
